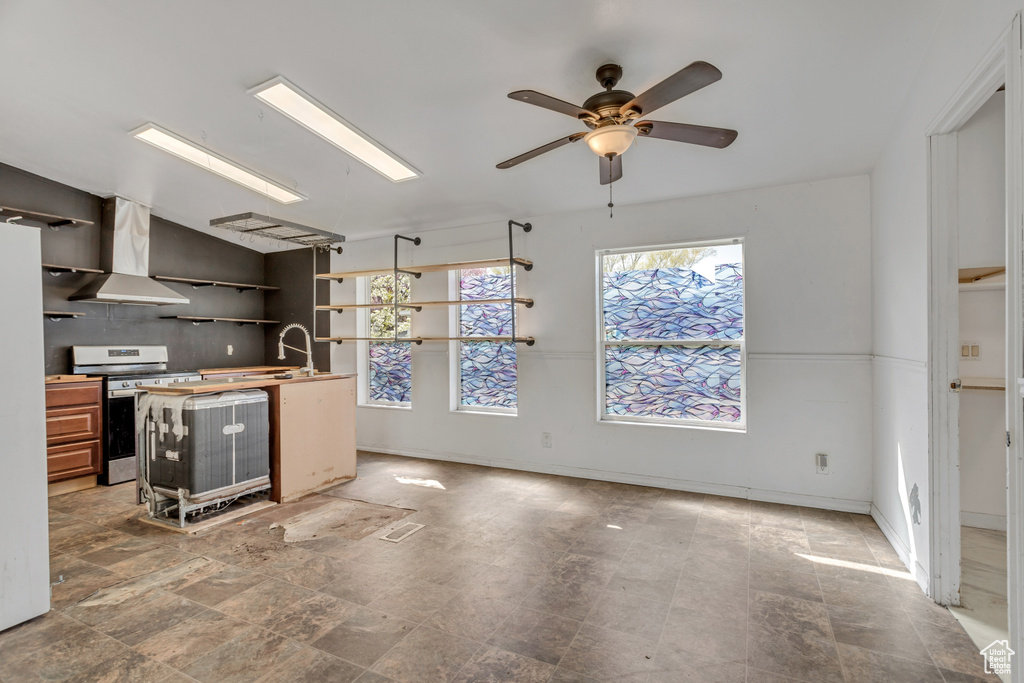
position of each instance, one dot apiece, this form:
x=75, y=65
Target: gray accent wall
x=175, y=251
x=293, y=272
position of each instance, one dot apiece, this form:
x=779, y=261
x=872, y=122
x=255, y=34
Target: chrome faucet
x=308, y=350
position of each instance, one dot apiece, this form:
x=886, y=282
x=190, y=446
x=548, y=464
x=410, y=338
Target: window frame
x=363, y=289
x=455, y=357
x=603, y=417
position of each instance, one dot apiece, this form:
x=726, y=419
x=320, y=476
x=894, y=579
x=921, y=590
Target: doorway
x=1002, y=65
x=982, y=415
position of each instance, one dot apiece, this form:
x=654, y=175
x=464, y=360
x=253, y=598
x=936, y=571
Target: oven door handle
x=122, y=392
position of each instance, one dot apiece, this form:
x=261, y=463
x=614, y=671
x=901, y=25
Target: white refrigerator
x=24, y=540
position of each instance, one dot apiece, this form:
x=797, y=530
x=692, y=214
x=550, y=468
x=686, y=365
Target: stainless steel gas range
x=126, y=371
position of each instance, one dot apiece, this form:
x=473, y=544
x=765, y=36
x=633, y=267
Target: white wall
x=24, y=552
x=981, y=174
x=899, y=259
x=807, y=276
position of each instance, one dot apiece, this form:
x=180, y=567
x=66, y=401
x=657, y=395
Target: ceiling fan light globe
x=613, y=140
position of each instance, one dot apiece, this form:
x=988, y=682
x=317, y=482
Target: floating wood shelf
x=54, y=222
x=197, y=319
x=417, y=305
x=435, y=268
x=529, y=341
x=967, y=275
x=196, y=284
x=59, y=315
x=57, y=270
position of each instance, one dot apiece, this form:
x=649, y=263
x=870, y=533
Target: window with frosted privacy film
x=486, y=369
x=671, y=341
x=390, y=363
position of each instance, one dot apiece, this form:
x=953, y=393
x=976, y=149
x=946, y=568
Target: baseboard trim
x=728, y=490
x=913, y=566
x=981, y=520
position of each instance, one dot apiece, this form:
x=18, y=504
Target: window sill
x=737, y=429
x=384, y=406
x=492, y=413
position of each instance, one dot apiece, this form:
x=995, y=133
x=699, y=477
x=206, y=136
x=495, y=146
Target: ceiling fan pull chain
x=611, y=205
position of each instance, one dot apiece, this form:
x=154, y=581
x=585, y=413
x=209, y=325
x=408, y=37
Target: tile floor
x=983, y=602
x=516, y=577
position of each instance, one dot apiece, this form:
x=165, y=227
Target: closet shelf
x=196, y=284
x=57, y=270
x=435, y=268
x=197, y=319
x=417, y=305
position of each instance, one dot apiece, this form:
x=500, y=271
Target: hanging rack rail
x=433, y=268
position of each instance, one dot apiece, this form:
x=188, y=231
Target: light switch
x=975, y=351
x=965, y=350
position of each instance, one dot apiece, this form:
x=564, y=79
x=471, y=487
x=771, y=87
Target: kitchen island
x=312, y=426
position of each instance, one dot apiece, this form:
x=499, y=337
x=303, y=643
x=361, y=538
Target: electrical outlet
x=545, y=439
x=821, y=463
x=231, y=349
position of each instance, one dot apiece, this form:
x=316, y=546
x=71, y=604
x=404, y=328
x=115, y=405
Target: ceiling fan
x=612, y=117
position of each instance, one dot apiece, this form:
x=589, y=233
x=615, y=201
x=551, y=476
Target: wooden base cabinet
x=74, y=431
x=313, y=436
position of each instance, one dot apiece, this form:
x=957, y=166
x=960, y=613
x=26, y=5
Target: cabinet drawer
x=75, y=394
x=72, y=460
x=65, y=425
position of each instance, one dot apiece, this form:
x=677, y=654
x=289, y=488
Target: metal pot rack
x=416, y=271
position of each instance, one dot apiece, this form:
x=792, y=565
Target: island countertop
x=248, y=370
x=210, y=386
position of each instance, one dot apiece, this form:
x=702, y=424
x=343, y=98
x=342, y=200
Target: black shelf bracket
x=527, y=227
x=394, y=282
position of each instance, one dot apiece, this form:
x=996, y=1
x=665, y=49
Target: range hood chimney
x=124, y=246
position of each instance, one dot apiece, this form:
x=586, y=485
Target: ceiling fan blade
x=552, y=103
x=611, y=173
x=687, y=132
x=679, y=84
x=540, y=150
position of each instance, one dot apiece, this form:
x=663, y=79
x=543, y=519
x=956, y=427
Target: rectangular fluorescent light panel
x=304, y=110
x=183, y=149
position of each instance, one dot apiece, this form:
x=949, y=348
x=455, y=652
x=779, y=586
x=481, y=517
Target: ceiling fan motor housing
x=606, y=104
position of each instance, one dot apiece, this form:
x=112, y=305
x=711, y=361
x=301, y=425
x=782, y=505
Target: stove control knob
x=138, y=382
x=124, y=384
x=156, y=381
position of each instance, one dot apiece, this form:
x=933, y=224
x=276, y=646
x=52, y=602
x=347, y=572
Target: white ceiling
x=811, y=86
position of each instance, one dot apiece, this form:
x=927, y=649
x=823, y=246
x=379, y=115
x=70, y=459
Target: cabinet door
x=72, y=460
x=66, y=425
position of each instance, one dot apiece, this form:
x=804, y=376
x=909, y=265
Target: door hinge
x=1007, y=439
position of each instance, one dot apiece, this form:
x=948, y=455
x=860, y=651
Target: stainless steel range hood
x=125, y=253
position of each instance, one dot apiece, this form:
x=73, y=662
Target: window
x=671, y=344
x=485, y=376
x=389, y=363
